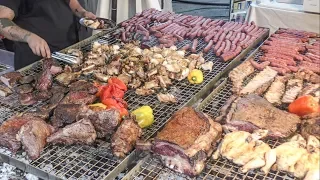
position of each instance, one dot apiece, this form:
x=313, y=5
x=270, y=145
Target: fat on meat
x=293, y=88
x=238, y=75
x=276, y=90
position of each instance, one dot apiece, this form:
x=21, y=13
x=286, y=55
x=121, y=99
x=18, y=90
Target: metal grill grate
x=97, y=162
x=151, y=168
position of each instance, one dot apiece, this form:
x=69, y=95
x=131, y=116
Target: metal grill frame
x=162, y=114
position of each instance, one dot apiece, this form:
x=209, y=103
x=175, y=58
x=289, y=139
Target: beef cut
x=185, y=142
x=52, y=65
x=44, y=80
x=26, y=79
x=65, y=114
x=78, y=97
x=82, y=85
x=11, y=79
x=27, y=99
x=24, y=89
x=33, y=135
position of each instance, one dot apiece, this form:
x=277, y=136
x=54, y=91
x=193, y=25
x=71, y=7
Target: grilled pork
x=293, y=88
x=311, y=89
x=311, y=125
x=66, y=78
x=238, y=75
x=185, y=142
x=166, y=98
x=276, y=90
x=254, y=112
x=44, y=81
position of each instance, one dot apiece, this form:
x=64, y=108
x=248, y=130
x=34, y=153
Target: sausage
x=199, y=32
x=222, y=36
x=232, y=27
x=260, y=66
x=223, y=45
x=123, y=37
x=164, y=41
x=242, y=37
x=293, y=68
x=194, y=34
x=157, y=34
x=237, y=26
x=216, y=37
x=185, y=47
x=228, y=46
x=237, y=38
x=178, y=37
x=233, y=47
x=233, y=36
x=249, y=42
x=194, y=46
x=257, y=33
x=246, y=39
x=217, y=46
x=229, y=34
x=197, y=21
x=208, y=47
x=200, y=22
x=157, y=28
x=280, y=71
x=241, y=28
x=227, y=25
x=255, y=29
x=249, y=29
x=231, y=54
x=209, y=37
x=206, y=22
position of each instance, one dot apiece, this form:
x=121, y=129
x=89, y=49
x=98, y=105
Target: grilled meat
x=276, y=90
x=253, y=112
x=244, y=149
x=114, y=67
x=5, y=91
x=311, y=125
x=27, y=99
x=101, y=77
x=263, y=77
x=52, y=65
x=125, y=78
x=66, y=78
x=124, y=139
x=307, y=75
x=207, y=66
x=59, y=89
x=42, y=95
x=65, y=114
x=166, y=98
x=9, y=130
x=33, y=135
x=26, y=79
x=104, y=121
x=40, y=113
x=82, y=85
x=135, y=83
x=144, y=91
x=78, y=97
x=44, y=80
x=238, y=75
x=185, y=142
x=293, y=88
x=151, y=84
x=80, y=132
x=24, y=89
x=11, y=79
x=311, y=89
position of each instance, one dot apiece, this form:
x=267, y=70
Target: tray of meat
x=63, y=96
x=265, y=124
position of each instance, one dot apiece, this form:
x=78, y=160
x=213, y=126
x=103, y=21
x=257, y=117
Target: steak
x=65, y=114
x=78, y=97
x=44, y=81
x=26, y=79
x=185, y=142
x=82, y=85
x=42, y=95
x=11, y=79
x=52, y=65
x=33, y=135
x=27, y=99
x=254, y=112
x=80, y=132
x=24, y=89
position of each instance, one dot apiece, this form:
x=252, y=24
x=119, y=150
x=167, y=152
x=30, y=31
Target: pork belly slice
x=253, y=112
x=185, y=142
x=80, y=132
x=293, y=88
x=238, y=75
x=276, y=90
x=33, y=135
x=263, y=77
x=311, y=89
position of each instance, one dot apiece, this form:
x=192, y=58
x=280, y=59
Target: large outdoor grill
x=97, y=162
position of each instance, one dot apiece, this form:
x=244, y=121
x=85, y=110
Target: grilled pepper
x=195, y=76
x=144, y=116
x=304, y=105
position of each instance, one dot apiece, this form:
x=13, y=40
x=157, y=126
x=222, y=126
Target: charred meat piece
x=276, y=90
x=11, y=79
x=238, y=75
x=80, y=132
x=135, y=83
x=125, y=78
x=9, y=130
x=293, y=88
x=40, y=113
x=26, y=80
x=166, y=98
x=144, y=92
x=104, y=121
x=124, y=139
x=114, y=67
x=65, y=114
x=101, y=77
x=42, y=95
x=52, y=65
x=56, y=98
x=82, y=85
x=263, y=77
x=59, y=89
x=254, y=112
x=5, y=91
x=66, y=78
x=44, y=81
x=33, y=135
x=27, y=99
x=186, y=141
x=78, y=97
x=310, y=89
x=24, y=89
x=311, y=125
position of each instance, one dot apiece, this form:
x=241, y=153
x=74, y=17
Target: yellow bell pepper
x=144, y=116
x=195, y=76
x=97, y=106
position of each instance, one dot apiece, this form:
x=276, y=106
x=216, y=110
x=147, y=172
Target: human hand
x=89, y=15
x=38, y=46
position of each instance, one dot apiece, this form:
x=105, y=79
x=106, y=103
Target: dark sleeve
x=12, y=4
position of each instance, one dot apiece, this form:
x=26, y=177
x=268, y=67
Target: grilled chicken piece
x=144, y=92
x=276, y=90
x=164, y=81
x=9, y=130
x=26, y=80
x=151, y=84
x=11, y=79
x=183, y=74
x=52, y=65
x=65, y=114
x=82, y=85
x=44, y=81
x=125, y=78
x=5, y=91
x=263, y=77
x=207, y=66
x=254, y=112
x=308, y=75
x=244, y=149
x=293, y=88
x=77, y=53
x=135, y=83
x=27, y=99
x=310, y=89
x=80, y=132
x=24, y=89
x=185, y=142
x=101, y=77
x=297, y=156
x=114, y=67
x=238, y=75
x=166, y=98
x=33, y=135
x=66, y=78
x=78, y=97
x=124, y=139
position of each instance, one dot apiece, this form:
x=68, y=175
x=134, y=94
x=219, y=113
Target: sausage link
x=217, y=46
x=217, y=36
x=236, y=39
x=222, y=36
x=194, y=46
x=208, y=47
x=243, y=36
x=228, y=46
x=229, y=34
x=223, y=45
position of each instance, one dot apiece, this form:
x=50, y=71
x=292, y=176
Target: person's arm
x=79, y=11
x=11, y=31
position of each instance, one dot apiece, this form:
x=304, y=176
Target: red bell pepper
x=304, y=105
x=118, y=83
